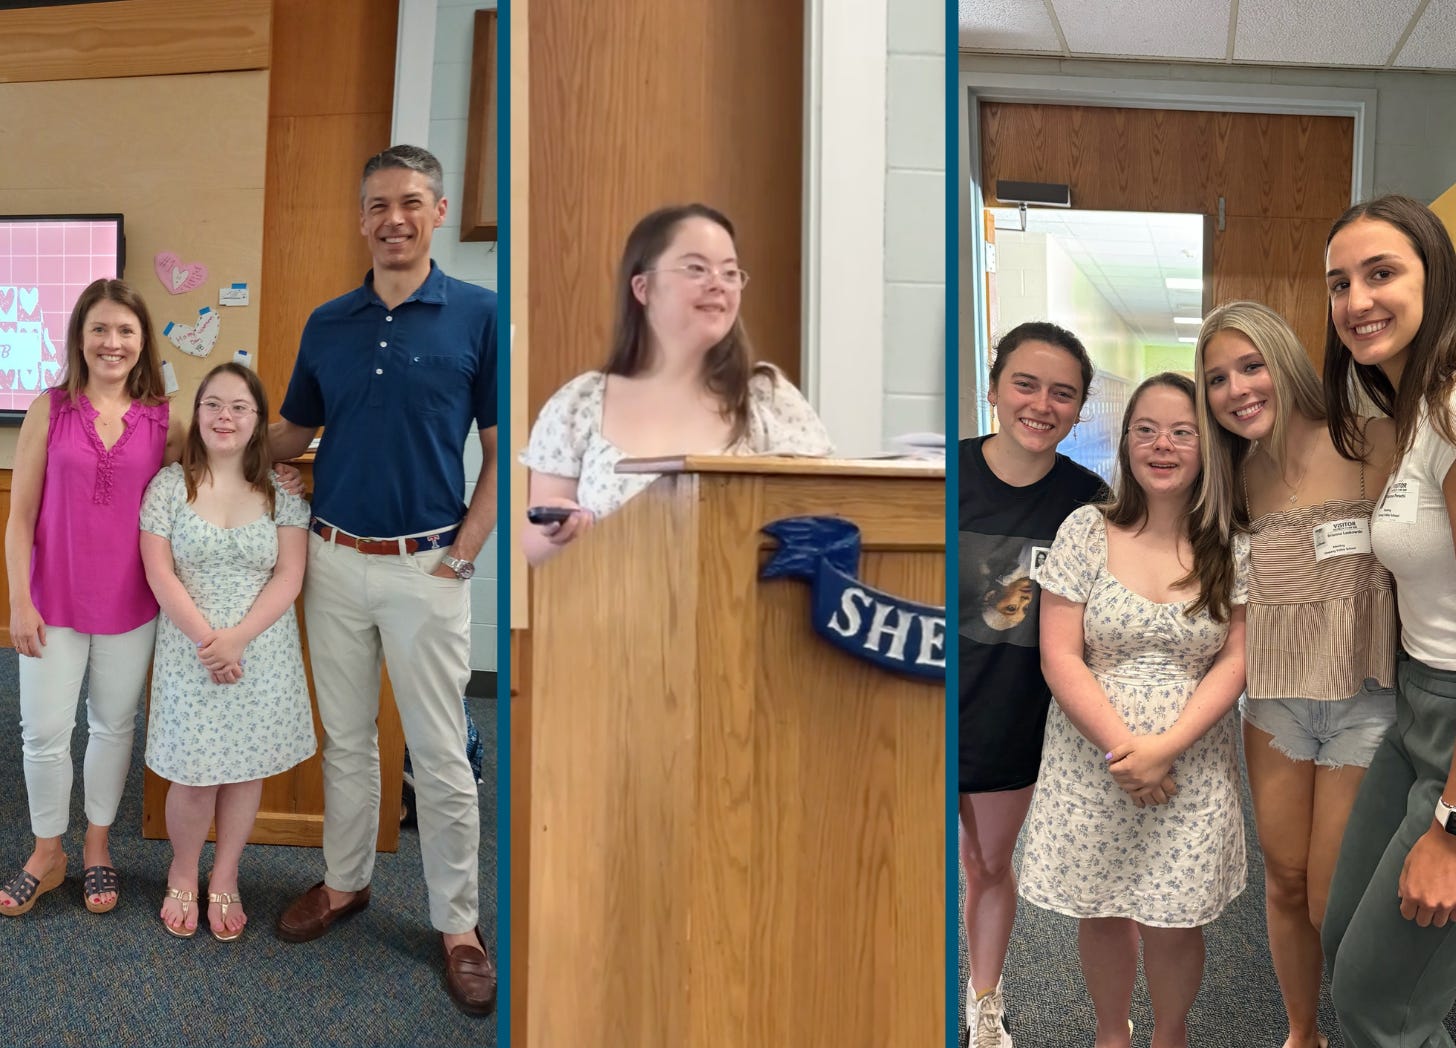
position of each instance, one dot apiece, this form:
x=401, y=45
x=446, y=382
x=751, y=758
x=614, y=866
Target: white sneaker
x=986, y=1019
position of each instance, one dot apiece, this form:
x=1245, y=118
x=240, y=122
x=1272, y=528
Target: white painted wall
x=915, y=170
x=475, y=262
x=431, y=107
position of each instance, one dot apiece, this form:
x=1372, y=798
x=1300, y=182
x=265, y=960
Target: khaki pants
x=359, y=607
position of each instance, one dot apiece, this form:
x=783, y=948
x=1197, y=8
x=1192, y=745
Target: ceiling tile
x=1146, y=28
x=1007, y=25
x=1429, y=45
x=1321, y=32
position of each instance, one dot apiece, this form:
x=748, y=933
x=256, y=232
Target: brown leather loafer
x=470, y=977
x=310, y=915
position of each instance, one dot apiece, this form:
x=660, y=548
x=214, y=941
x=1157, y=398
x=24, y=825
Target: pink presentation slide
x=45, y=264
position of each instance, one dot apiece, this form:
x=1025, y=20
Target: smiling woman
x=680, y=378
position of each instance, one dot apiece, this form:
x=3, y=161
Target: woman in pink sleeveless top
x=79, y=597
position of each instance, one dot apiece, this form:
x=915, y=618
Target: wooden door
x=1283, y=180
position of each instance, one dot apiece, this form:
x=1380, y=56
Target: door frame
x=976, y=86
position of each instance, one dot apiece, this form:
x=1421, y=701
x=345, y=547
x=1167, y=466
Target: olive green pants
x=1394, y=982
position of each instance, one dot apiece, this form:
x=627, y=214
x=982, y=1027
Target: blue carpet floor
x=74, y=978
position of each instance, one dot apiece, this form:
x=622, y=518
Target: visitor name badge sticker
x=893, y=633
x=1340, y=538
x=1399, y=504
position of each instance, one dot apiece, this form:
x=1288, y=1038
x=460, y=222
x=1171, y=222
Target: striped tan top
x=1316, y=629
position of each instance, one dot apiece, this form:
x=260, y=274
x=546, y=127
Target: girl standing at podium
x=1321, y=619
x=1135, y=828
x=679, y=379
x=1015, y=492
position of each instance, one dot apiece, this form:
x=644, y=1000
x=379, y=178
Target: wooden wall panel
x=133, y=38
x=718, y=120
x=330, y=108
x=205, y=204
x=1283, y=179
x=354, y=73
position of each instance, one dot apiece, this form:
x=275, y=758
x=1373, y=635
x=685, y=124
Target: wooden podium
x=737, y=831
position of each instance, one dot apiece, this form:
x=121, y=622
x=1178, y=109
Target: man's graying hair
x=412, y=158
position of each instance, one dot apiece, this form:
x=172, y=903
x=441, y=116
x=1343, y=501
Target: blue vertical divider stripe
x=953, y=177
x=503, y=529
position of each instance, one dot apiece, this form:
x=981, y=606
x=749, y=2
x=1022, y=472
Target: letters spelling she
x=889, y=629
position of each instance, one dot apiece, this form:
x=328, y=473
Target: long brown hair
x=728, y=367
x=257, y=460
x=1430, y=371
x=1213, y=560
x=144, y=383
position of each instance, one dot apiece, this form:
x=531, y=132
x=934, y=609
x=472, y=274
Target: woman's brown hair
x=728, y=366
x=1213, y=560
x=257, y=460
x=144, y=383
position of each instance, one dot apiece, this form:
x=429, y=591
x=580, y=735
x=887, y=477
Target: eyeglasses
x=237, y=409
x=1179, y=436
x=698, y=273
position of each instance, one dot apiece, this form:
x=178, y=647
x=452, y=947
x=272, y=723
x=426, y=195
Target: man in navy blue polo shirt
x=395, y=371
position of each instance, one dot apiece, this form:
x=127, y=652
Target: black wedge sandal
x=98, y=880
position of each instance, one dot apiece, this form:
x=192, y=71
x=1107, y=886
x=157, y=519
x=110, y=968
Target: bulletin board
x=182, y=157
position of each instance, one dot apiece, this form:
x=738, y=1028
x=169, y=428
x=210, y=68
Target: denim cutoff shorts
x=1330, y=732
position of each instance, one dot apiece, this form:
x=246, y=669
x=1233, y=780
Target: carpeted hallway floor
x=1238, y=1007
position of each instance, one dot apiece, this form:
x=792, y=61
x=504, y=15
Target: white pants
x=358, y=606
x=50, y=687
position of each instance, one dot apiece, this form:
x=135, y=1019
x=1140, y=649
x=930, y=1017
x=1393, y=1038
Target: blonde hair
x=1297, y=390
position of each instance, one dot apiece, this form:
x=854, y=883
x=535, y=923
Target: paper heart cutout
x=178, y=277
x=7, y=300
x=29, y=299
x=196, y=339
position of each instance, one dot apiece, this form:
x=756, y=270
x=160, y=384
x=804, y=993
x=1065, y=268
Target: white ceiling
x=1364, y=34
x=1127, y=256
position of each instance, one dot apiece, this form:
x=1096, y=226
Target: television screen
x=46, y=261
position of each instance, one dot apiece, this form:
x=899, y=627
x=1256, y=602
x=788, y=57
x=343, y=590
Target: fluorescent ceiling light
x=1187, y=320
x=1186, y=339
x=1185, y=284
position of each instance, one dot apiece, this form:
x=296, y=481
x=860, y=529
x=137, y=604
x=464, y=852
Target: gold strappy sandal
x=224, y=899
x=186, y=898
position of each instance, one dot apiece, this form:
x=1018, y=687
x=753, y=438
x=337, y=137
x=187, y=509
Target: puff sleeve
x=558, y=440
x=782, y=422
x=1077, y=553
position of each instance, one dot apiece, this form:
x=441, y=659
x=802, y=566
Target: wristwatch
x=1446, y=816
x=464, y=569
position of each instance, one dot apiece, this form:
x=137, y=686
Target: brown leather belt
x=439, y=540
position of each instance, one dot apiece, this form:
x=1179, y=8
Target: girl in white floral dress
x=1135, y=827
x=680, y=380
x=224, y=549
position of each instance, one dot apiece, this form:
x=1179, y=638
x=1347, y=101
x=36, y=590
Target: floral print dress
x=1088, y=850
x=567, y=440
x=205, y=734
